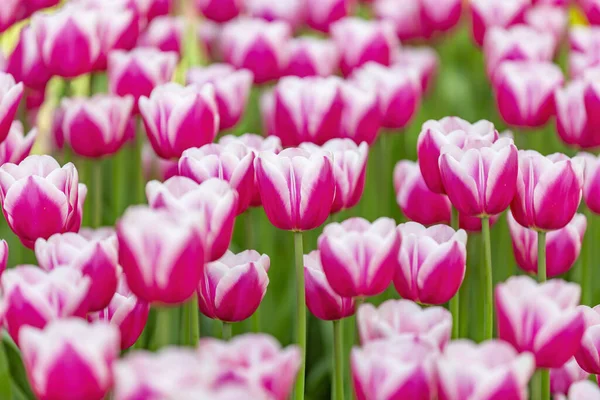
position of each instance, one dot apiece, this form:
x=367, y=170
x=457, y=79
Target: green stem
x=586, y=259
x=455, y=301
x=454, y=222
x=300, y=313
x=97, y=182
x=541, y=256
x=384, y=182
x=162, y=333
x=545, y=382
x=488, y=307
x=190, y=327
x=226, y=331
x=140, y=193
x=338, y=344
x=119, y=183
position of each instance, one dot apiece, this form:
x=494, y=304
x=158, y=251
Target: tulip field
x=299, y=199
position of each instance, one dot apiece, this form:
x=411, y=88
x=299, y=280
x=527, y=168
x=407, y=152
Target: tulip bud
x=489, y=13
x=312, y=57
x=561, y=379
x=25, y=63
x=164, y=33
x=424, y=59
x=17, y=146
x=220, y=10
x=321, y=14
x=10, y=97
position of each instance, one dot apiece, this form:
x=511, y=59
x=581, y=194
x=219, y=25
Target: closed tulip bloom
x=177, y=118
x=164, y=33
x=591, y=185
x=424, y=59
x=562, y=378
x=312, y=57
x=39, y=198
x=321, y=300
x=257, y=45
x=3, y=255
x=372, y=41
x=25, y=63
x=29, y=296
x=583, y=390
x=232, y=287
x=400, y=368
x=292, y=12
x=16, y=146
x=572, y=119
x=156, y=167
x=220, y=10
x=441, y=16
x=214, y=198
x=209, y=34
x=549, y=190
x=321, y=14
x=10, y=97
x=449, y=130
x=488, y=13
x=584, y=50
x=591, y=9
x=431, y=262
x=588, y=354
x=559, y=327
x=232, y=90
x=486, y=371
x=361, y=117
x=562, y=246
x=161, y=253
x=591, y=97
x=403, y=318
x=548, y=19
x=359, y=257
x=10, y=14
x=297, y=188
x=407, y=20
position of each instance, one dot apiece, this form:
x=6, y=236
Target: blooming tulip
x=488, y=13
x=591, y=9
x=584, y=49
x=431, y=262
x=312, y=57
x=292, y=12
x=591, y=185
x=361, y=117
x=177, y=118
x=220, y=10
x=549, y=19
x=164, y=33
x=561, y=379
x=3, y=255
x=548, y=190
x=16, y=146
x=440, y=15
x=398, y=318
x=214, y=198
x=321, y=14
x=29, y=296
x=406, y=20
x=583, y=390
x=490, y=370
x=559, y=327
x=25, y=63
x=10, y=96
x=161, y=253
x=156, y=167
x=232, y=90
x=359, y=257
x=10, y=13
x=587, y=355
x=39, y=198
x=372, y=41
x=572, y=118
x=424, y=59
x=562, y=245
x=296, y=187
x=232, y=287
x=321, y=300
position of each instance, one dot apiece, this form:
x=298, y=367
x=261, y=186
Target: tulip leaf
x=5, y=385
x=16, y=369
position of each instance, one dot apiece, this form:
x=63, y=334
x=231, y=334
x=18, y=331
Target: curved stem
x=338, y=344
x=300, y=312
x=455, y=301
x=488, y=296
x=541, y=256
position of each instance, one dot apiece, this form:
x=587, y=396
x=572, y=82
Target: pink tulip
x=372, y=41
x=584, y=51
x=126, y=312
x=401, y=368
x=25, y=63
x=441, y=15
x=312, y=57
x=214, y=198
x=407, y=20
x=548, y=19
x=562, y=246
x=359, y=257
x=16, y=146
x=57, y=135
x=591, y=9
x=177, y=118
x=572, y=118
x=296, y=187
x=450, y=130
x=232, y=287
x=591, y=185
x=292, y=12
x=161, y=253
x=562, y=378
x=424, y=59
x=29, y=296
x=398, y=91
x=139, y=71
x=361, y=117
x=10, y=14
x=583, y=390
x=488, y=13
x=322, y=14
x=321, y=299
x=431, y=262
x=588, y=354
x=256, y=45
x=156, y=167
x=232, y=90
x=3, y=255
x=220, y=10
x=486, y=371
x=591, y=97
x=209, y=34
x=39, y=198
x=10, y=97
x=403, y=318
x=96, y=126
x=559, y=325
x=164, y=33
x=549, y=190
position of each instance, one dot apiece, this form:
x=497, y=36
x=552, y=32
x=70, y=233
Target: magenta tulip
x=220, y=10
x=361, y=117
x=156, y=167
x=591, y=185
x=3, y=255
x=559, y=327
x=424, y=59
x=164, y=33
x=584, y=50
x=403, y=318
x=486, y=371
x=232, y=90
x=10, y=97
x=549, y=190
x=562, y=378
x=359, y=257
x=321, y=299
x=312, y=57
x=588, y=355
x=10, y=14
x=292, y=12
x=573, y=121
x=214, y=198
x=488, y=13
x=118, y=29
x=296, y=187
x=25, y=63
x=407, y=20
x=591, y=9
x=548, y=19
x=441, y=16
x=17, y=146
x=321, y=14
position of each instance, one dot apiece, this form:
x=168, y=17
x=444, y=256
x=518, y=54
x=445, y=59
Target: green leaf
x=16, y=369
x=5, y=385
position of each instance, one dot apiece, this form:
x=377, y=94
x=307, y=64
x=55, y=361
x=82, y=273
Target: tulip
x=549, y=190
x=209, y=34
x=232, y=287
x=376, y=366
x=572, y=119
x=373, y=41
x=297, y=188
x=407, y=20
x=361, y=117
x=424, y=59
x=233, y=163
x=3, y=255
x=591, y=182
x=25, y=63
x=39, y=198
x=561, y=379
x=29, y=296
x=232, y=90
x=403, y=318
x=431, y=262
x=488, y=13
x=583, y=390
x=161, y=253
x=164, y=33
x=292, y=12
x=9, y=14
x=177, y=118
x=321, y=299
x=10, y=97
x=126, y=312
x=214, y=198
x=70, y=359
x=312, y=57
x=549, y=19
x=562, y=246
x=587, y=355
x=57, y=135
x=16, y=146
x=591, y=97
x=490, y=370
x=322, y=14
x=450, y=130
x=559, y=327
x=256, y=45
x=441, y=15
x=584, y=51
x=156, y=167
x=351, y=249
x=591, y=9
x=220, y=10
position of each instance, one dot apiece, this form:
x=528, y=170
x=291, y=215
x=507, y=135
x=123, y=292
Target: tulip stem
x=455, y=301
x=338, y=344
x=488, y=306
x=119, y=170
x=542, y=256
x=586, y=272
x=226, y=331
x=300, y=313
x=140, y=186
x=190, y=325
x=162, y=333
x=97, y=182
x=545, y=382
